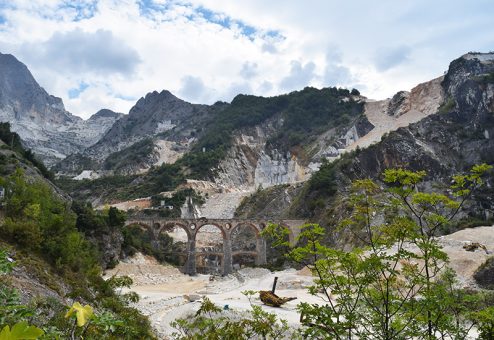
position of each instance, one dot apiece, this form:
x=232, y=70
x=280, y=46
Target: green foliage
x=5, y=265
x=97, y=222
x=448, y=106
x=322, y=187
x=10, y=138
x=485, y=323
x=106, y=323
x=211, y=322
x=33, y=212
x=324, y=180
x=36, y=220
x=100, y=187
x=277, y=238
x=165, y=177
x=86, y=323
x=382, y=289
x=141, y=240
x=11, y=309
x=20, y=331
x=310, y=112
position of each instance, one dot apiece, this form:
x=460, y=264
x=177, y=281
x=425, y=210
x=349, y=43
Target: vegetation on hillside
x=162, y=248
x=133, y=155
x=305, y=114
x=165, y=177
x=42, y=231
x=109, y=187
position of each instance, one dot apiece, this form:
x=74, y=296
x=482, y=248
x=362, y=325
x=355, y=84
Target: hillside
x=52, y=254
x=251, y=142
x=457, y=136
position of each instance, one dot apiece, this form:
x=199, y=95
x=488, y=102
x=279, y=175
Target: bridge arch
x=181, y=245
x=211, y=241
x=250, y=225
x=227, y=228
x=218, y=226
x=247, y=245
x=165, y=226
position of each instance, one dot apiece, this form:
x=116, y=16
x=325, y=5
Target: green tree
x=393, y=285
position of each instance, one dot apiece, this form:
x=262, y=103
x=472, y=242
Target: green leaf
x=20, y=330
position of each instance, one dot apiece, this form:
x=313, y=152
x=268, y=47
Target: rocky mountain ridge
x=160, y=116
x=252, y=146
x=251, y=142
x=41, y=119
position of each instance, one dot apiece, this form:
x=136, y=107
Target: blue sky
x=108, y=54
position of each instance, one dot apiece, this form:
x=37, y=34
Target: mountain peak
x=40, y=119
x=164, y=95
x=23, y=98
x=105, y=113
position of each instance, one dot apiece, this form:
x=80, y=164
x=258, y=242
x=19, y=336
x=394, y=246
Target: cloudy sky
x=108, y=54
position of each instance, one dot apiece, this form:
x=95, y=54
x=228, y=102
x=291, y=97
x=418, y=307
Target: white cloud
x=194, y=89
x=206, y=50
x=81, y=52
x=387, y=58
x=300, y=76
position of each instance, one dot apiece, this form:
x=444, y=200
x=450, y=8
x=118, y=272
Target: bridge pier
x=261, y=251
x=227, y=255
x=190, y=266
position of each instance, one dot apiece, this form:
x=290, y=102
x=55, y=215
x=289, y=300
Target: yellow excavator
x=269, y=298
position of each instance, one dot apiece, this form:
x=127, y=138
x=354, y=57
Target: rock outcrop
x=484, y=276
x=170, y=122
x=41, y=119
x=448, y=142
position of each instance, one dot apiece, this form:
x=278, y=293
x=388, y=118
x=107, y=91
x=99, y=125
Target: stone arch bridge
x=226, y=226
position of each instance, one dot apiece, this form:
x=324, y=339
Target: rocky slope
x=174, y=127
x=250, y=165
x=41, y=119
x=453, y=139
x=169, y=123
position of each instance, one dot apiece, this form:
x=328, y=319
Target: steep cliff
x=41, y=119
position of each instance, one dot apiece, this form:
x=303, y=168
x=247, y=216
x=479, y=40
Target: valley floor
x=166, y=294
